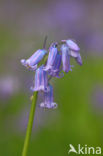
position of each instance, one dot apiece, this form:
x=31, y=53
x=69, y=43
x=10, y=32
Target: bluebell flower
x=31, y=63
x=48, y=99
x=52, y=57
x=65, y=58
x=41, y=80
x=55, y=71
x=73, y=50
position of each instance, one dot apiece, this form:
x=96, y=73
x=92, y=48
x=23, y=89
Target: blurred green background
x=79, y=94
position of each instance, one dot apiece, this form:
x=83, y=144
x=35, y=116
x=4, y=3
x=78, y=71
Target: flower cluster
x=51, y=63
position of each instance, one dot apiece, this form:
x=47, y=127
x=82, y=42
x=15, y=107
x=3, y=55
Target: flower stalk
x=30, y=124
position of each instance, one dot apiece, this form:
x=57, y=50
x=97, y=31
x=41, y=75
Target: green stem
x=30, y=124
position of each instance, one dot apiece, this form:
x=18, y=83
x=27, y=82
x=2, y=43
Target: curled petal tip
x=51, y=106
x=32, y=89
x=22, y=60
x=79, y=60
x=80, y=63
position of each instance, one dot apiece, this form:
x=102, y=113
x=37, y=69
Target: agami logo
x=84, y=150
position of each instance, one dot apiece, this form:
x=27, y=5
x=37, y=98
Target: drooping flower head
x=32, y=62
x=52, y=65
x=48, y=99
x=41, y=80
x=53, y=51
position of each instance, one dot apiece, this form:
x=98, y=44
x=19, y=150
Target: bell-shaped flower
x=52, y=57
x=48, y=99
x=55, y=71
x=41, y=80
x=65, y=58
x=73, y=50
x=31, y=62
